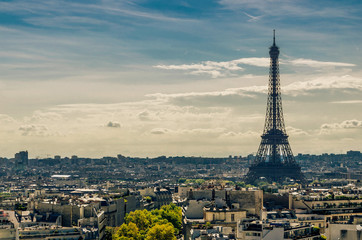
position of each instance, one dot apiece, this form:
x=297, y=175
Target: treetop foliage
x=158, y=224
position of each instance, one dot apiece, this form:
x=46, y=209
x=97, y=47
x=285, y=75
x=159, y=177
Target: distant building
x=354, y=153
x=74, y=159
x=163, y=197
x=21, y=160
x=160, y=196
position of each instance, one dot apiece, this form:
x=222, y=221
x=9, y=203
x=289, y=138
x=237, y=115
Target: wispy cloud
x=318, y=64
x=335, y=85
x=68, y=22
x=217, y=69
x=231, y=68
x=286, y=7
x=65, y=14
x=136, y=13
x=296, y=131
x=348, y=102
x=252, y=18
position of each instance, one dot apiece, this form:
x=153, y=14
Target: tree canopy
x=161, y=232
x=160, y=224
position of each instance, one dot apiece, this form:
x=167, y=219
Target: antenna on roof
x=274, y=37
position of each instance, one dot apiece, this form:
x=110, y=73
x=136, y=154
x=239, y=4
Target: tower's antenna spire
x=274, y=37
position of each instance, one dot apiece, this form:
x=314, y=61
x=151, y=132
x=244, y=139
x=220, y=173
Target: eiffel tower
x=274, y=160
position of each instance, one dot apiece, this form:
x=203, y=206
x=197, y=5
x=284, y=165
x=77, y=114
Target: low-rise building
x=256, y=230
x=223, y=215
x=46, y=232
x=347, y=231
x=7, y=228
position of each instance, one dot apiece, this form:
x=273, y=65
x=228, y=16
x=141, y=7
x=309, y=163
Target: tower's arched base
x=270, y=172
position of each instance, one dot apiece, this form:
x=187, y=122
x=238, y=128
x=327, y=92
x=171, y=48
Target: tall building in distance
x=21, y=159
x=274, y=160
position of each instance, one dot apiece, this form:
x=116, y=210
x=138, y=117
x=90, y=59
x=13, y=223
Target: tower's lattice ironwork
x=274, y=159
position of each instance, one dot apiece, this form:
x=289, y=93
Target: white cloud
x=244, y=92
x=317, y=64
x=347, y=124
x=324, y=83
x=231, y=68
x=247, y=134
x=253, y=61
x=296, y=131
x=336, y=86
x=217, y=69
x=348, y=102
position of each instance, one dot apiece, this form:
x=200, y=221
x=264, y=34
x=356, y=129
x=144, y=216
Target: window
x=232, y=217
x=343, y=233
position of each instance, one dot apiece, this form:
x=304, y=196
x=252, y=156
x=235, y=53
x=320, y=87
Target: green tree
x=173, y=214
x=161, y=232
x=127, y=231
x=143, y=219
x=139, y=223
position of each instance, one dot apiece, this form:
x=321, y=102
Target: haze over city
x=150, y=78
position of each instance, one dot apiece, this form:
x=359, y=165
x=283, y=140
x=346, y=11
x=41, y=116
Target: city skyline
x=150, y=78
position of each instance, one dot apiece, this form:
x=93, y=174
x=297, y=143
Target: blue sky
x=149, y=78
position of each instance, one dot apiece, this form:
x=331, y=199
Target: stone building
x=251, y=201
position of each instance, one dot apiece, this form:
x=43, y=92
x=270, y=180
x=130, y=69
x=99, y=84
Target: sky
x=178, y=78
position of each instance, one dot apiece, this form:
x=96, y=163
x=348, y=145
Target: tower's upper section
x=274, y=50
x=274, y=120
